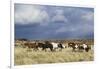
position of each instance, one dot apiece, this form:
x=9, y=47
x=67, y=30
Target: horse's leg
x=73, y=49
x=44, y=49
x=54, y=49
x=51, y=49
x=81, y=49
x=35, y=49
x=87, y=49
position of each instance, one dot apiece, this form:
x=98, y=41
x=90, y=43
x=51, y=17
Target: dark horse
x=45, y=45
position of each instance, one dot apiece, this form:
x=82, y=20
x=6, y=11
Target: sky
x=34, y=22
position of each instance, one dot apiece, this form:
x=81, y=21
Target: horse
x=72, y=45
x=45, y=45
x=31, y=46
x=79, y=47
x=57, y=45
x=51, y=45
x=84, y=47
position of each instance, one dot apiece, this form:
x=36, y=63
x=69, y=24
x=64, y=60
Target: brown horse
x=31, y=45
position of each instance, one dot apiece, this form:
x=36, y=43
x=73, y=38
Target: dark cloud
x=54, y=22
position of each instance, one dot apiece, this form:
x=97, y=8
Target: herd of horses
x=53, y=46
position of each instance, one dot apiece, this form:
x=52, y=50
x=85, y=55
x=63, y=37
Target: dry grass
x=24, y=57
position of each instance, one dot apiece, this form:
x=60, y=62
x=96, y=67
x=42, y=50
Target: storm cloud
x=53, y=22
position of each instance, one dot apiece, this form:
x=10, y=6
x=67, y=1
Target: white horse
x=57, y=46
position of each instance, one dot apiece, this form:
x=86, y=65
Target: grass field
x=24, y=57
